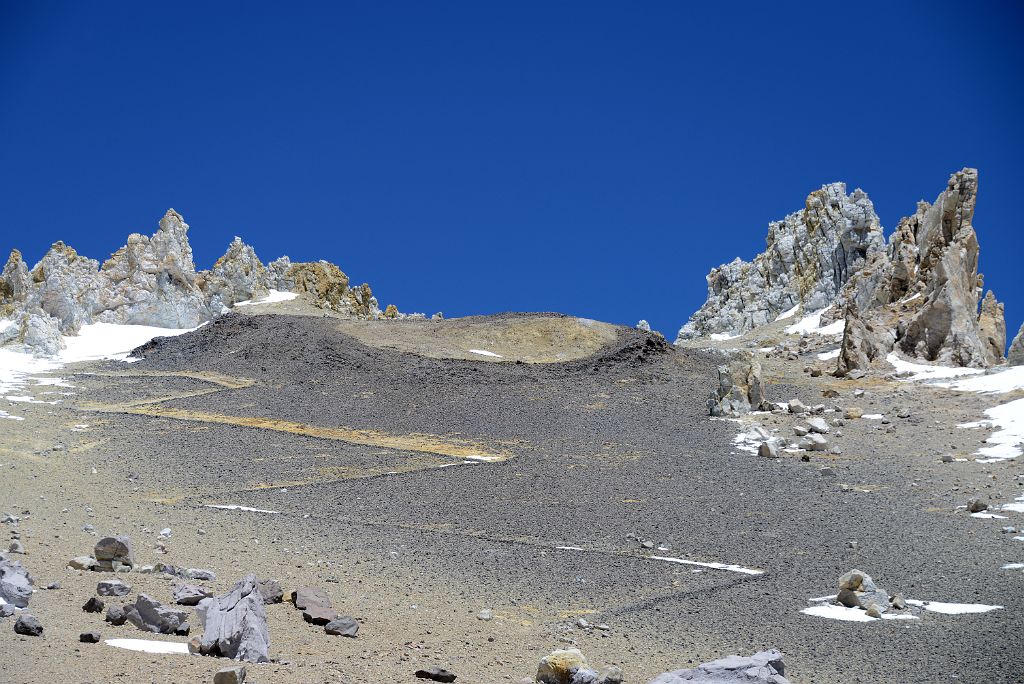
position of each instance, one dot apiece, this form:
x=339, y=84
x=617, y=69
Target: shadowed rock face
x=1015, y=356
x=810, y=255
x=765, y=667
x=153, y=281
x=235, y=624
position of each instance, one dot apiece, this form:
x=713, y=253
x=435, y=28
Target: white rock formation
x=153, y=281
x=809, y=256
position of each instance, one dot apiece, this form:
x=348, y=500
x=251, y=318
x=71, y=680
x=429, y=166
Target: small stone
x=304, y=597
x=486, y=615
x=853, y=412
x=769, y=449
x=814, y=442
x=113, y=587
x=947, y=458
x=27, y=625
x=436, y=674
x=343, y=626
x=976, y=506
x=93, y=605
x=53, y=585
x=898, y=602
x=89, y=637
x=230, y=675
x=610, y=675
x=800, y=430
x=557, y=667
x=270, y=590
x=902, y=413
x=114, y=552
x=201, y=575
x=166, y=532
x=874, y=611
x=797, y=406
x=189, y=594
x=818, y=425
x=6, y=610
x=853, y=580
x=16, y=547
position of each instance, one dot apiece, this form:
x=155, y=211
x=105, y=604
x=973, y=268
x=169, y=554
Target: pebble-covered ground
x=476, y=515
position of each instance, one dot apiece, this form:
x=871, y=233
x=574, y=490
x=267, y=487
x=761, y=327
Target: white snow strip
x=1005, y=442
x=981, y=514
x=952, y=608
x=788, y=313
x=825, y=356
x=149, y=646
x=15, y=369
x=1000, y=381
x=715, y=566
x=923, y=371
x=234, y=507
x=8, y=416
x=722, y=337
x=479, y=457
x=484, y=352
x=873, y=416
x=748, y=441
x=273, y=297
x=569, y=548
x=54, y=382
x=27, y=400
x=1014, y=566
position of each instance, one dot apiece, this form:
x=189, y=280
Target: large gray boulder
x=765, y=667
x=809, y=256
x=15, y=583
x=235, y=624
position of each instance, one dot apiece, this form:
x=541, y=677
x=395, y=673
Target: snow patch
x=953, y=608
x=981, y=514
x=825, y=356
x=273, y=297
x=149, y=646
x=1014, y=566
x=788, y=313
x=873, y=416
x=923, y=371
x=484, y=352
x=111, y=341
x=811, y=325
x=233, y=507
x=1004, y=443
x=722, y=337
x=715, y=566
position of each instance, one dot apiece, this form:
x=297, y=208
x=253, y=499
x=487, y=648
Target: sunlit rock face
x=152, y=281
x=809, y=256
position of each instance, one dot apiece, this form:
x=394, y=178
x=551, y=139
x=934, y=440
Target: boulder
x=89, y=637
x=112, y=587
x=769, y=449
x=740, y=387
x=189, y=594
x=766, y=667
x=15, y=583
x=308, y=597
x=235, y=624
x=230, y=675
x=150, y=615
x=436, y=674
x=116, y=615
x=342, y=626
x=114, y=552
x=559, y=666
x=93, y=605
x=270, y=590
x=319, y=615
x=82, y=563
x=28, y=625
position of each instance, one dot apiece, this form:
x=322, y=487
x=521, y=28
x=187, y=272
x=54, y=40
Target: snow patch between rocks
x=953, y=608
x=834, y=612
x=149, y=646
x=788, y=313
x=811, y=325
x=923, y=371
x=272, y=298
x=722, y=337
x=1005, y=442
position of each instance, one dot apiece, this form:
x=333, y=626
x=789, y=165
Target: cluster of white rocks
x=153, y=281
x=919, y=293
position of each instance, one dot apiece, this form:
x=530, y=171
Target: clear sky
x=470, y=157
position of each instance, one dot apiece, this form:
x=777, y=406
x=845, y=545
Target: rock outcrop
x=809, y=256
x=1015, y=356
x=153, y=281
x=740, y=387
x=919, y=294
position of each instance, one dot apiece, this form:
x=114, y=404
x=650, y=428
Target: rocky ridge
x=919, y=294
x=153, y=281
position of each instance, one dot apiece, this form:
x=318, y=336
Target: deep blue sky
x=586, y=157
